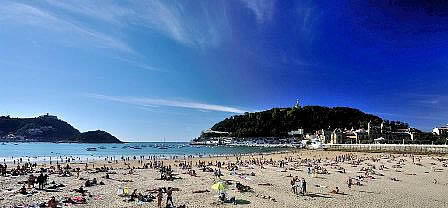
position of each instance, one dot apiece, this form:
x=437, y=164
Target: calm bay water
x=43, y=151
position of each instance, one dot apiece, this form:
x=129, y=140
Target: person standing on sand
x=40, y=181
x=31, y=181
x=169, y=197
x=303, y=186
x=159, y=198
x=293, y=185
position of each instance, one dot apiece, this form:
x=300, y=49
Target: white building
x=296, y=132
x=48, y=116
x=441, y=131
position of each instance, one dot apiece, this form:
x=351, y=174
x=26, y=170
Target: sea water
x=44, y=152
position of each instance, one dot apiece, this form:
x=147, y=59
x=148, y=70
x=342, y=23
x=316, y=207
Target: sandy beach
x=378, y=180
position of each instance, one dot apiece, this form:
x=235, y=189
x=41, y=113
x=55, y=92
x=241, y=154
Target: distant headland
x=316, y=124
x=48, y=128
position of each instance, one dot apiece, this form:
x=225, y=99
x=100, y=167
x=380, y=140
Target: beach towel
x=79, y=200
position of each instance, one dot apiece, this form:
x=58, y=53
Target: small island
x=97, y=136
x=48, y=128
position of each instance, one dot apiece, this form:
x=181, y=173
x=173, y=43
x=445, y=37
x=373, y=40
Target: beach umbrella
x=219, y=186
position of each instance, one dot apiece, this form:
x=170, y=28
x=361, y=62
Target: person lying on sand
x=56, y=186
x=75, y=200
x=200, y=191
x=243, y=188
x=80, y=190
x=335, y=191
x=90, y=183
x=223, y=198
x=23, y=190
x=192, y=173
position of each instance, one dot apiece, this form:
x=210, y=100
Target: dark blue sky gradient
x=147, y=70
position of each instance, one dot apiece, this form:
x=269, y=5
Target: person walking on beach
x=293, y=185
x=169, y=197
x=159, y=198
x=303, y=186
x=349, y=182
x=40, y=181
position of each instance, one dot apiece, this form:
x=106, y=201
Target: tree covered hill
x=95, y=137
x=278, y=121
x=43, y=129
x=40, y=127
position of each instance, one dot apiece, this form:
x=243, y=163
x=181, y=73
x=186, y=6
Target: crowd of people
x=220, y=168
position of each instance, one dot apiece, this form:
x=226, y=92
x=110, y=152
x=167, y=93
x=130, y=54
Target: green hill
x=278, y=121
x=95, y=137
x=45, y=129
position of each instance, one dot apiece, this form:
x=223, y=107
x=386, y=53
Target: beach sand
x=414, y=187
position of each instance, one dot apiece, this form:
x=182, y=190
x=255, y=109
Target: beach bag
x=120, y=192
x=126, y=191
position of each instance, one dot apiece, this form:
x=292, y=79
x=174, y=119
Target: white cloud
x=423, y=117
x=139, y=64
x=102, y=10
x=149, y=102
x=428, y=100
x=262, y=9
x=32, y=16
x=194, y=27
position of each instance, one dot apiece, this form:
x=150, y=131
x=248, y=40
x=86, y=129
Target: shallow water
x=55, y=151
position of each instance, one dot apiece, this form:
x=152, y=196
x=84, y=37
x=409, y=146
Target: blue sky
x=144, y=70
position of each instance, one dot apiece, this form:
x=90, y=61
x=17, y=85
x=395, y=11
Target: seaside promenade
x=393, y=148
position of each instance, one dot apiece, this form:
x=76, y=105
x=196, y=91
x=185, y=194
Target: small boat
x=102, y=147
x=136, y=147
x=163, y=145
x=91, y=149
x=181, y=146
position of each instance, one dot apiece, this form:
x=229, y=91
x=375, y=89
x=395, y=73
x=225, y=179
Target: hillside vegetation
x=277, y=122
x=48, y=129
x=95, y=137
